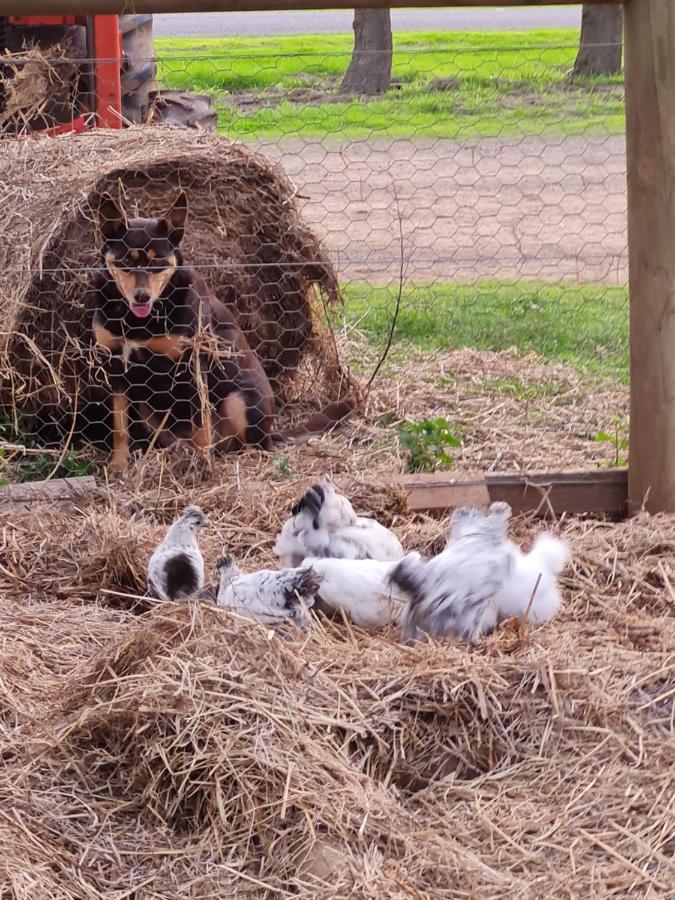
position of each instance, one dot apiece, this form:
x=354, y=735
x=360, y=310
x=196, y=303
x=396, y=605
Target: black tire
x=139, y=69
x=186, y=109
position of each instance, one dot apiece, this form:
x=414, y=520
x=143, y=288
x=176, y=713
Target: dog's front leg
x=201, y=438
x=119, y=459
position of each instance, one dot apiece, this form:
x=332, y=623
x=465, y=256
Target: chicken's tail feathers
x=407, y=572
x=552, y=553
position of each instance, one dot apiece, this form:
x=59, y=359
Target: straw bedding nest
x=244, y=233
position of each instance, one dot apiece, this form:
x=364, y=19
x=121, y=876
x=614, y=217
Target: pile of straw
x=178, y=751
x=175, y=751
x=244, y=233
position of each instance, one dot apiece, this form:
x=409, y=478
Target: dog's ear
x=111, y=219
x=175, y=219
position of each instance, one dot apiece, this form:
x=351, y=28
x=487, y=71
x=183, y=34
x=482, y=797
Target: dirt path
x=525, y=208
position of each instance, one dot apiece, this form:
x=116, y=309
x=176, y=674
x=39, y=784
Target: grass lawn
x=586, y=326
x=447, y=84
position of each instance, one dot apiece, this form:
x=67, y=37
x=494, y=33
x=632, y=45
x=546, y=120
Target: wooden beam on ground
x=649, y=27
x=125, y=7
x=63, y=494
x=603, y=491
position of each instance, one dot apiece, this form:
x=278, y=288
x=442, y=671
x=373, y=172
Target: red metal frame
x=77, y=125
x=108, y=71
x=36, y=21
x=107, y=67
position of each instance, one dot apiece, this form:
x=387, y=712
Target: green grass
x=586, y=326
x=500, y=84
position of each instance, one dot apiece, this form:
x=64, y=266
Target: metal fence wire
x=462, y=233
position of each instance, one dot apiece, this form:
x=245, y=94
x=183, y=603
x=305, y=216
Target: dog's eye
x=127, y=264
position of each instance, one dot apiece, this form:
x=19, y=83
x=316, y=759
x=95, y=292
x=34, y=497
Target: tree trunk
x=600, y=42
x=369, y=71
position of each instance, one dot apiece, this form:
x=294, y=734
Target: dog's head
x=141, y=255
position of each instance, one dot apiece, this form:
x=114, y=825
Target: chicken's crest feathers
x=311, y=502
x=307, y=581
x=193, y=516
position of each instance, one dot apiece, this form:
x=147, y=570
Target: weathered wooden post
x=650, y=134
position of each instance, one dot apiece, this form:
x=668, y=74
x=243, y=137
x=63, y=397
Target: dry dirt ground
x=536, y=208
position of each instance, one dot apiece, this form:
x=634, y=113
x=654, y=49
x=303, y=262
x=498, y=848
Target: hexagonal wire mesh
x=465, y=229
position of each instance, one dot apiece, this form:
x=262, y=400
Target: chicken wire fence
x=462, y=233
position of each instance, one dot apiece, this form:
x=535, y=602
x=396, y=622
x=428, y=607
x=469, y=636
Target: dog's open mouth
x=141, y=310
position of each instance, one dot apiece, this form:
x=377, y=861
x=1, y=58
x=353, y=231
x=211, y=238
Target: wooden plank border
x=126, y=7
x=604, y=491
x=59, y=493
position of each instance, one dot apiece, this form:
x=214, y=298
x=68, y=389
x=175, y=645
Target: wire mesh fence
x=462, y=233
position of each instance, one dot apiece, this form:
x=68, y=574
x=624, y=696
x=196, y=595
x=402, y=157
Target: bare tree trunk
x=600, y=43
x=369, y=71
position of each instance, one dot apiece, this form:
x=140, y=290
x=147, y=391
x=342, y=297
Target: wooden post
x=649, y=27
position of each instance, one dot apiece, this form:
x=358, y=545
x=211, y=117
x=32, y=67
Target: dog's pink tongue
x=141, y=310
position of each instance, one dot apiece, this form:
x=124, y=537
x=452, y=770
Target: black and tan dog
x=176, y=359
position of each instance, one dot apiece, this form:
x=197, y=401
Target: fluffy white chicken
x=453, y=593
x=323, y=524
x=481, y=578
x=176, y=568
x=545, y=561
x=267, y=596
x=361, y=587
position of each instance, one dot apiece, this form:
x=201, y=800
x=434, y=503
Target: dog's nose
x=141, y=296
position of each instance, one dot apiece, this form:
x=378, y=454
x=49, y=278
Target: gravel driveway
x=527, y=208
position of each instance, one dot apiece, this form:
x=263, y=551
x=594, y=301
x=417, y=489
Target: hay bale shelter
x=244, y=233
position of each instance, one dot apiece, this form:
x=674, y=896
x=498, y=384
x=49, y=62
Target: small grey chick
x=176, y=568
x=267, y=596
x=453, y=593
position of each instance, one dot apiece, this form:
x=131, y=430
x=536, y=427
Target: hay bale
x=38, y=87
x=244, y=233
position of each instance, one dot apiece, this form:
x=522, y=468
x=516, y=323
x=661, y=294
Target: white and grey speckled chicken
x=323, y=524
x=267, y=596
x=176, y=568
x=454, y=593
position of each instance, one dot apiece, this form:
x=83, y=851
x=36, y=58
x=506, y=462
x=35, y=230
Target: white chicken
x=480, y=579
x=176, y=568
x=323, y=524
x=361, y=587
x=267, y=596
x=453, y=593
